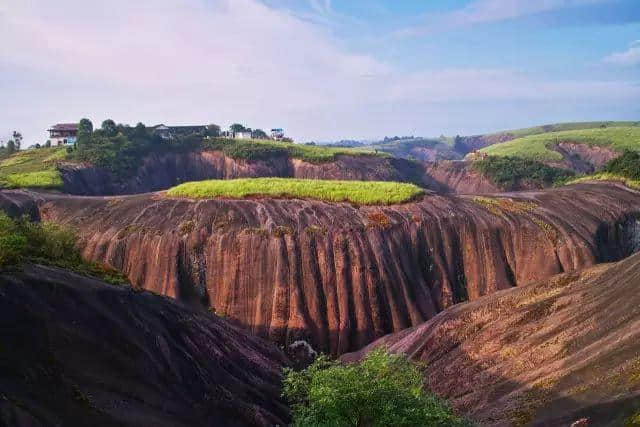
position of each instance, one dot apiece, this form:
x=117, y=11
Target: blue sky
x=321, y=69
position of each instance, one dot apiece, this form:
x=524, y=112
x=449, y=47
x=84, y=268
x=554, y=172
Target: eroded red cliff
x=340, y=276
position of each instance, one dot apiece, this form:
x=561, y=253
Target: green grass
x=537, y=147
x=559, y=127
x=359, y=192
x=256, y=149
x=32, y=168
x=607, y=176
x=24, y=241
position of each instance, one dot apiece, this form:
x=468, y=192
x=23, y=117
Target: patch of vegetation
x=500, y=206
x=360, y=192
x=45, y=243
x=256, y=149
x=35, y=168
x=379, y=220
x=538, y=147
x=624, y=169
x=381, y=390
x=509, y=173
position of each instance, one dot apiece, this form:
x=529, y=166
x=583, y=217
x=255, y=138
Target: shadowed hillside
x=76, y=351
x=546, y=354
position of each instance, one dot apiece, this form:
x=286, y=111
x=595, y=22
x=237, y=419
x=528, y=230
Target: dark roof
x=64, y=126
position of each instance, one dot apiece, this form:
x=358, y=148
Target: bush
x=46, y=243
x=381, y=390
x=627, y=165
x=509, y=173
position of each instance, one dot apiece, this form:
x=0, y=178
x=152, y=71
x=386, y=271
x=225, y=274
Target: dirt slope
x=341, y=276
x=76, y=351
x=547, y=354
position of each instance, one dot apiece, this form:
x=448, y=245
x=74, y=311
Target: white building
x=63, y=133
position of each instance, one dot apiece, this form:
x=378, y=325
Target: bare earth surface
x=75, y=351
x=337, y=275
x=548, y=353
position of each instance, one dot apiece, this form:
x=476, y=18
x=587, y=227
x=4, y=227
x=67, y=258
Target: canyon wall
x=162, y=171
x=340, y=276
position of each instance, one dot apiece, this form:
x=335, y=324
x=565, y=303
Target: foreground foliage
x=46, y=243
x=381, y=390
x=509, y=173
x=538, y=147
x=360, y=192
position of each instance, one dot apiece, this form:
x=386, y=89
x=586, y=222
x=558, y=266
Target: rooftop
x=64, y=126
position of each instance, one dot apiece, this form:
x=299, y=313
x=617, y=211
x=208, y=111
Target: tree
x=381, y=390
x=213, y=130
x=11, y=147
x=85, y=127
x=109, y=128
x=48, y=143
x=17, y=139
x=259, y=134
x=459, y=145
x=237, y=127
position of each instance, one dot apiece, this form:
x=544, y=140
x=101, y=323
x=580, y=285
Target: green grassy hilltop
x=34, y=168
x=538, y=147
x=360, y=192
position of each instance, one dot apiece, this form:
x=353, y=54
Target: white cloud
x=485, y=11
x=195, y=61
x=631, y=56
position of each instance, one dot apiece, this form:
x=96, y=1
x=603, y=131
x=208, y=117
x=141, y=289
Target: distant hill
x=467, y=144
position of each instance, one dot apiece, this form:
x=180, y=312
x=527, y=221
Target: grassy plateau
x=537, y=147
x=32, y=168
x=559, y=127
x=359, y=192
x=258, y=149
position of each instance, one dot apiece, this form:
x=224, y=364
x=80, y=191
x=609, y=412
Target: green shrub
x=381, y=390
x=627, y=165
x=46, y=243
x=509, y=173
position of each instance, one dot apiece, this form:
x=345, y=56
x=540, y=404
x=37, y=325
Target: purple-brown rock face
x=78, y=352
x=340, y=276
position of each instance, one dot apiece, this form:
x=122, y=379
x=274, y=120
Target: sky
x=321, y=69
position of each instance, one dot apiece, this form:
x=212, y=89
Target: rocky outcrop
x=162, y=171
x=340, y=276
x=547, y=354
x=583, y=158
x=457, y=177
x=76, y=351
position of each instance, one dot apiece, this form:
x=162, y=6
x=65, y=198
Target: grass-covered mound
x=509, y=173
x=46, y=243
x=32, y=168
x=257, y=149
x=359, y=192
x=538, y=147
